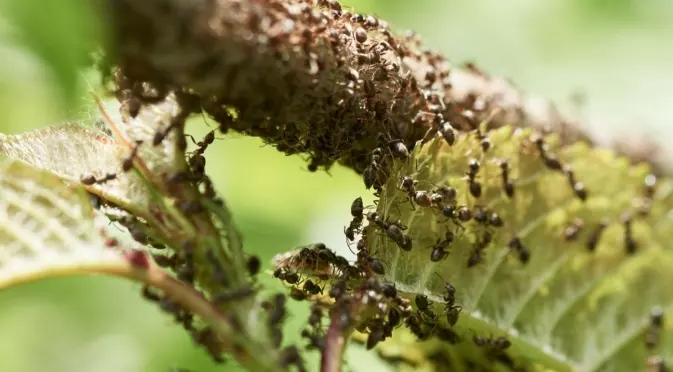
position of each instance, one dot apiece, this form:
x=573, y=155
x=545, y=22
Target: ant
x=473, y=169
x=517, y=246
x=595, y=236
x=507, y=185
x=396, y=146
x=127, y=163
x=450, y=309
x=629, y=243
x=550, y=161
x=484, y=141
x=422, y=198
x=439, y=251
x=355, y=225
x=479, y=246
x=425, y=307
x=572, y=231
x=312, y=288
x=370, y=174
x=578, y=187
x=91, y=179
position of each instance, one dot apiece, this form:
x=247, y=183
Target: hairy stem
x=311, y=77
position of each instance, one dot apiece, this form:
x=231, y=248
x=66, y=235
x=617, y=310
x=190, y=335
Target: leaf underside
x=47, y=229
x=567, y=308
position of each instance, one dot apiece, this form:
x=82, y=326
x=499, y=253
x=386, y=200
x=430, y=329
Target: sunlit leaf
x=72, y=150
x=47, y=229
x=566, y=308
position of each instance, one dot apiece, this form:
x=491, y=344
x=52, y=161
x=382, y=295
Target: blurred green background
x=615, y=52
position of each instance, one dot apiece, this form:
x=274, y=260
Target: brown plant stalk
x=313, y=77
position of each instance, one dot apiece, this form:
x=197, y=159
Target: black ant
x=479, y=246
x=517, y=246
x=578, y=187
x=450, y=309
x=91, y=179
x=388, y=290
x=439, y=251
x=630, y=244
x=127, y=163
x=550, y=161
x=396, y=146
x=507, y=185
x=473, y=169
x=425, y=307
x=422, y=198
x=484, y=141
x=370, y=174
x=572, y=231
x=595, y=236
x=448, y=193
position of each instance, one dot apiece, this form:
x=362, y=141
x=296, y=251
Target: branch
x=310, y=77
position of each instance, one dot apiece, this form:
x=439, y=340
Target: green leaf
x=72, y=150
x=61, y=33
x=567, y=308
x=47, y=229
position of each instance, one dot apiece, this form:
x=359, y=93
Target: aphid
x=595, y=236
x=360, y=35
x=572, y=231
